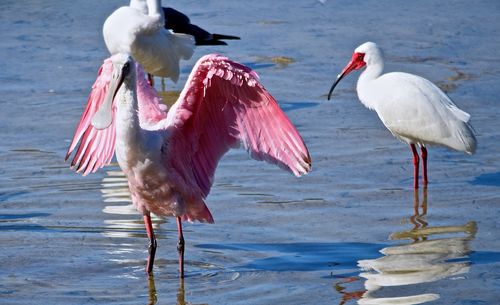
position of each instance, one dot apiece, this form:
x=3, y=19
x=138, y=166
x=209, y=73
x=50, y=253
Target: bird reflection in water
x=152, y=290
x=153, y=296
x=423, y=260
x=116, y=195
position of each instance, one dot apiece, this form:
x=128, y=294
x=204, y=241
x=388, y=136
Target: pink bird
x=170, y=158
x=413, y=109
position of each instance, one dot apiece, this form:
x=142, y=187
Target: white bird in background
x=413, y=109
x=180, y=23
x=139, y=30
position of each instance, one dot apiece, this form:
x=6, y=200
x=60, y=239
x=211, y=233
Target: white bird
x=139, y=30
x=413, y=109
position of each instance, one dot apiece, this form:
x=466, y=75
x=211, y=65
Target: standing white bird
x=139, y=30
x=413, y=109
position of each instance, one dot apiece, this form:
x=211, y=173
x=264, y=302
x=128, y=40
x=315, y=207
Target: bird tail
x=197, y=210
x=458, y=113
x=467, y=141
x=464, y=139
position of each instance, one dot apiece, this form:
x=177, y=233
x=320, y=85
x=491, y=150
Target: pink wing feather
x=222, y=105
x=151, y=107
x=97, y=147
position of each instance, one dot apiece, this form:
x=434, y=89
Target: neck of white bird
x=135, y=146
x=139, y=5
x=365, y=82
x=128, y=130
x=154, y=8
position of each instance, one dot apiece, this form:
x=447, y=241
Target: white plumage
x=415, y=110
x=131, y=30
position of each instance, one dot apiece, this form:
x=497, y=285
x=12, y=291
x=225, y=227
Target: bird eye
x=126, y=67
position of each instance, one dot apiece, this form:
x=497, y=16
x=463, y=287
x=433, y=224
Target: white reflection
x=423, y=260
x=427, y=257
x=153, y=295
x=116, y=195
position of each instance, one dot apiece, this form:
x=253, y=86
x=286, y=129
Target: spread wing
x=222, y=106
x=96, y=147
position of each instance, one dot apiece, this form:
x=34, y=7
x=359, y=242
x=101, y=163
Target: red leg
x=151, y=80
x=180, y=247
x=152, y=243
x=416, y=161
x=423, y=152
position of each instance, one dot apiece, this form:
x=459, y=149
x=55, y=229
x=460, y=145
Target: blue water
x=321, y=239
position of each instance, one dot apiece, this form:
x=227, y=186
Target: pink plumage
x=170, y=158
x=97, y=147
x=221, y=106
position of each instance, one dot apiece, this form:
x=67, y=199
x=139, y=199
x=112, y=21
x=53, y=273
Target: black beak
x=335, y=84
x=355, y=64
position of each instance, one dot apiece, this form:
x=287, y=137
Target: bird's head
x=363, y=55
x=123, y=70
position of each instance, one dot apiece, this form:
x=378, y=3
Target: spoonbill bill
x=414, y=110
x=170, y=158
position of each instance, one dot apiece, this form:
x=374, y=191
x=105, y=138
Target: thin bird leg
x=423, y=153
x=180, y=247
x=416, y=161
x=163, y=86
x=151, y=80
x=152, y=243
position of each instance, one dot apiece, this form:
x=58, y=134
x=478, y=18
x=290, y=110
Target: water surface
x=352, y=231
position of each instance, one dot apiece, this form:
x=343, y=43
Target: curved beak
x=104, y=115
x=339, y=77
x=355, y=63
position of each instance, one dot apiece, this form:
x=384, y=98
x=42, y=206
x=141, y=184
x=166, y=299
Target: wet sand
x=352, y=230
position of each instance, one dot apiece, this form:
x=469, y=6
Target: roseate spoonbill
x=170, y=158
x=139, y=30
x=180, y=23
x=413, y=109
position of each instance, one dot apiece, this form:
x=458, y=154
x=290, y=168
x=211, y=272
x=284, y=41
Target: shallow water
x=352, y=231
